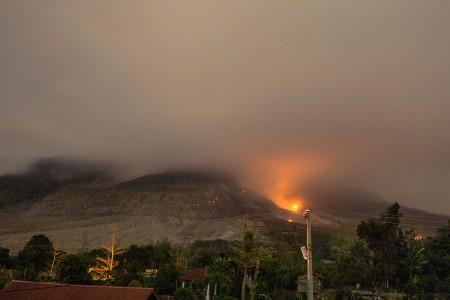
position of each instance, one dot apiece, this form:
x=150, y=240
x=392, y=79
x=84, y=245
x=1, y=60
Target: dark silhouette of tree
x=161, y=252
x=387, y=240
x=436, y=271
x=185, y=294
x=6, y=261
x=221, y=273
x=73, y=269
x=37, y=254
x=353, y=266
x=137, y=258
x=251, y=258
x=165, y=280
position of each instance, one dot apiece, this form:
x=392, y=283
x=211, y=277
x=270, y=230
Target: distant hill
x=78, y=205
x=48, y=175
x=344, y=206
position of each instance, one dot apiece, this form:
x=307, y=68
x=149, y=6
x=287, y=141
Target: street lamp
x=310, y=291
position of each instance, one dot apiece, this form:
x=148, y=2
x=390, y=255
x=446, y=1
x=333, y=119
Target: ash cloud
x=348, y=92
x=67, y=169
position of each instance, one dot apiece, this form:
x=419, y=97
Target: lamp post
x=310, y=291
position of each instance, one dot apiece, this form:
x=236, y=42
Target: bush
x=5, y=260
x=135, y=283
x=185, y=294
x=36, y=256
x=3, y=281
x=73, y=269
x=165, y=280
x=225, y=297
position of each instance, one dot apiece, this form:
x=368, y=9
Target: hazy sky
x=354, y=92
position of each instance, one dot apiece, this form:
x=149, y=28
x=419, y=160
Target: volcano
x=79, y=210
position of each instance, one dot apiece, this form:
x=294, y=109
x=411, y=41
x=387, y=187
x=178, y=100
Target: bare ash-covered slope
x=78, y=206
x=182, y=206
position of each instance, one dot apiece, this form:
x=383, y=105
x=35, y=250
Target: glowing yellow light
x=290, y=221
x=294, y=207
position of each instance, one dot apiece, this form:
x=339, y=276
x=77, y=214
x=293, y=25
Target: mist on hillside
x=279, y=94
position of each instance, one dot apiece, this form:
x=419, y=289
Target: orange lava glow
x=291, y=203
x=280, y=177
x=283, y=192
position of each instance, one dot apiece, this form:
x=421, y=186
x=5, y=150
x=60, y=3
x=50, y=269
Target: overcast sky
x=353, y=92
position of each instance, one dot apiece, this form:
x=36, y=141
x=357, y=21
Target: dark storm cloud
x=163, y=84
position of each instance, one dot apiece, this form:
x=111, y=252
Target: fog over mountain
x=77, y=202
x=280, y=94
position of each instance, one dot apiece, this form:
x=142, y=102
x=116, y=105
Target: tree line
x=378, y=254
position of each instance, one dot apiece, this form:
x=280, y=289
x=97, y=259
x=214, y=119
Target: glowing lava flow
x=293, y=204
x=279, y=177
x=282, y=195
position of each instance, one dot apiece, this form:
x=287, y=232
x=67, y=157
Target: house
x=150, y=272
x=196, y=274
x=28, y=290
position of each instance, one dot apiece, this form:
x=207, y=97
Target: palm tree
x=414, y=260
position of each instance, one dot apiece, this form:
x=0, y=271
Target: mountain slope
x=80, y=211
x=183, y=206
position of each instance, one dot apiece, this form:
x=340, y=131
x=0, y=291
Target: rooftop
x=197, y=273
x=27, y=290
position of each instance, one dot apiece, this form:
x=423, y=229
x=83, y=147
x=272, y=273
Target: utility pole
x=307, y=215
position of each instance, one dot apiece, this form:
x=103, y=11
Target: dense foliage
x=185, y=294
x=36, y=256
x=73, y=269
x=379, y=254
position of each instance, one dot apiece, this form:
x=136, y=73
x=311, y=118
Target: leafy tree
x=137, y=258
x=203, y=253
x=328, y=271
x=225, y=297
x=279, y=272
x=135, y=283
x=222, y=274
x=37, y=254
x=185, y=294
x=6, y=261
x=161, y=252
x=264, y=258
x=73, y=269
x=436, y=271
x=179, y=256
x=386, y=239
x=250, y=257
x=92, y=255
x=165, y=280
x=353, y=265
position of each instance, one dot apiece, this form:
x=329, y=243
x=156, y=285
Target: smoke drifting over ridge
x=349, y=92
